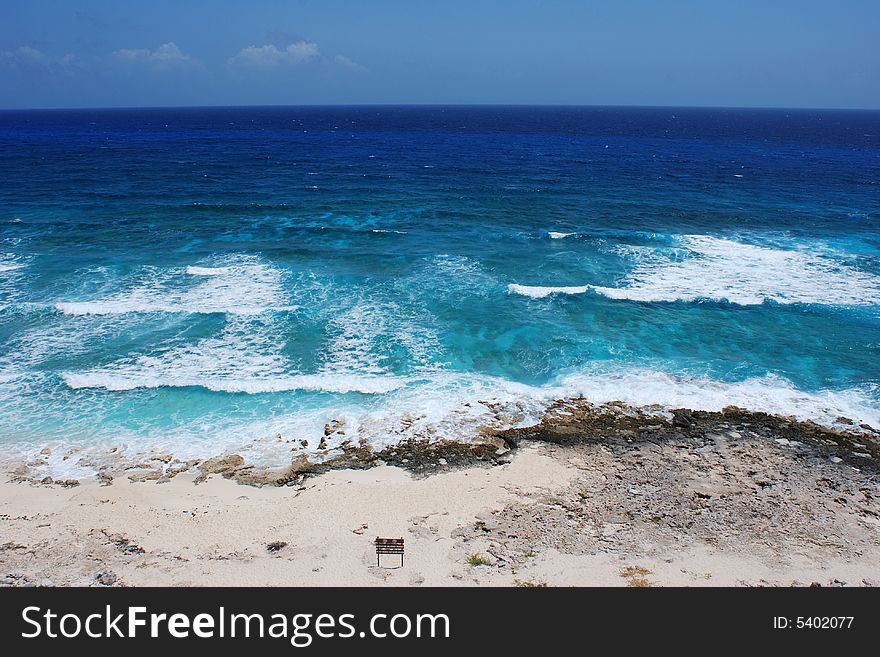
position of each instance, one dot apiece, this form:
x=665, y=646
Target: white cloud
x=271, y=55
x=27, y=58
x=166, y=55
x=345, y=61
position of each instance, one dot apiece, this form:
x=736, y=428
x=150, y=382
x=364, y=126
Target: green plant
x=477, y=559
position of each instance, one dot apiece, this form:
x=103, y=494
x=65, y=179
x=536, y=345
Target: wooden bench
x=389, y=546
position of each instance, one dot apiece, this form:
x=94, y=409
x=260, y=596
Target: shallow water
x=195, y=280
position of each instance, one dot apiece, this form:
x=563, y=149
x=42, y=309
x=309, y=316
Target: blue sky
x=778, y=53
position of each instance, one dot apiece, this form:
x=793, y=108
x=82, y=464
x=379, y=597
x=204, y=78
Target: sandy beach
x=604, y=496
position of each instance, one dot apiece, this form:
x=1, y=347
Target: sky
x=743, y=53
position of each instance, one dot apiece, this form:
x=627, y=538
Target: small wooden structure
x=389, y=546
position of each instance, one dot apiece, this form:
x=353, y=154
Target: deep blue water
x=205, y=279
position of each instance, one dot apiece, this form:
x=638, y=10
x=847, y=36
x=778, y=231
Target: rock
x=844, y=420
x=46, y=480
x=501, y=446
x=323, y=444
x=164, y=458
x=145, y=475
x=224, y=465
x=682, y=417
x=327, y=430
x=276, y=545
x=71, y=452
x=836, y=459
x=304, y=443
x=45, y=451
x=21, y=471
x=123, y=544
x=104, y=478
x=105, y=578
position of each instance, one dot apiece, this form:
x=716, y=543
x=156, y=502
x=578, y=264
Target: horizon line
x=426, y=104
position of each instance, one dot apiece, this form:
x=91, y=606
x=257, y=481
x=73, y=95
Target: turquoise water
x=200, y=280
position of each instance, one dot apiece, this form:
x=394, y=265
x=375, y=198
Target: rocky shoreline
x=566, y=422
x=569, y=422
x=602, y=495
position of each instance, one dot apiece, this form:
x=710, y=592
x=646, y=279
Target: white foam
x=353, y=348
x=559, y=236
x=207, y=271
x=709, y=268
x=769, y=394
x=10, y=261
x=539, y=291
x=443, y=406
x=243, y=286
x=11, y=277
x=122, y=380
x=245, y=356
x=363, y=337
x=246, y=349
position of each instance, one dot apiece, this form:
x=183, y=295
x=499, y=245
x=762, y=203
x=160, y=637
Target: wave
x=558, y=236
x=242, y=285
x=248, y=348
x=709, y=268
x=539, y=292
x=453, y=400
x=363, y=339
x=247, y=356
x=769, y=394
x=123, y=307
x=10, y=262
x=447, y=406
x=207, y=271
x=338, y=383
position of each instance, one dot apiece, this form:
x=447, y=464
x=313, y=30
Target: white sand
x=216, y=533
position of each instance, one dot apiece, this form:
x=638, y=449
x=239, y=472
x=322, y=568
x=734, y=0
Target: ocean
x=197, y=281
